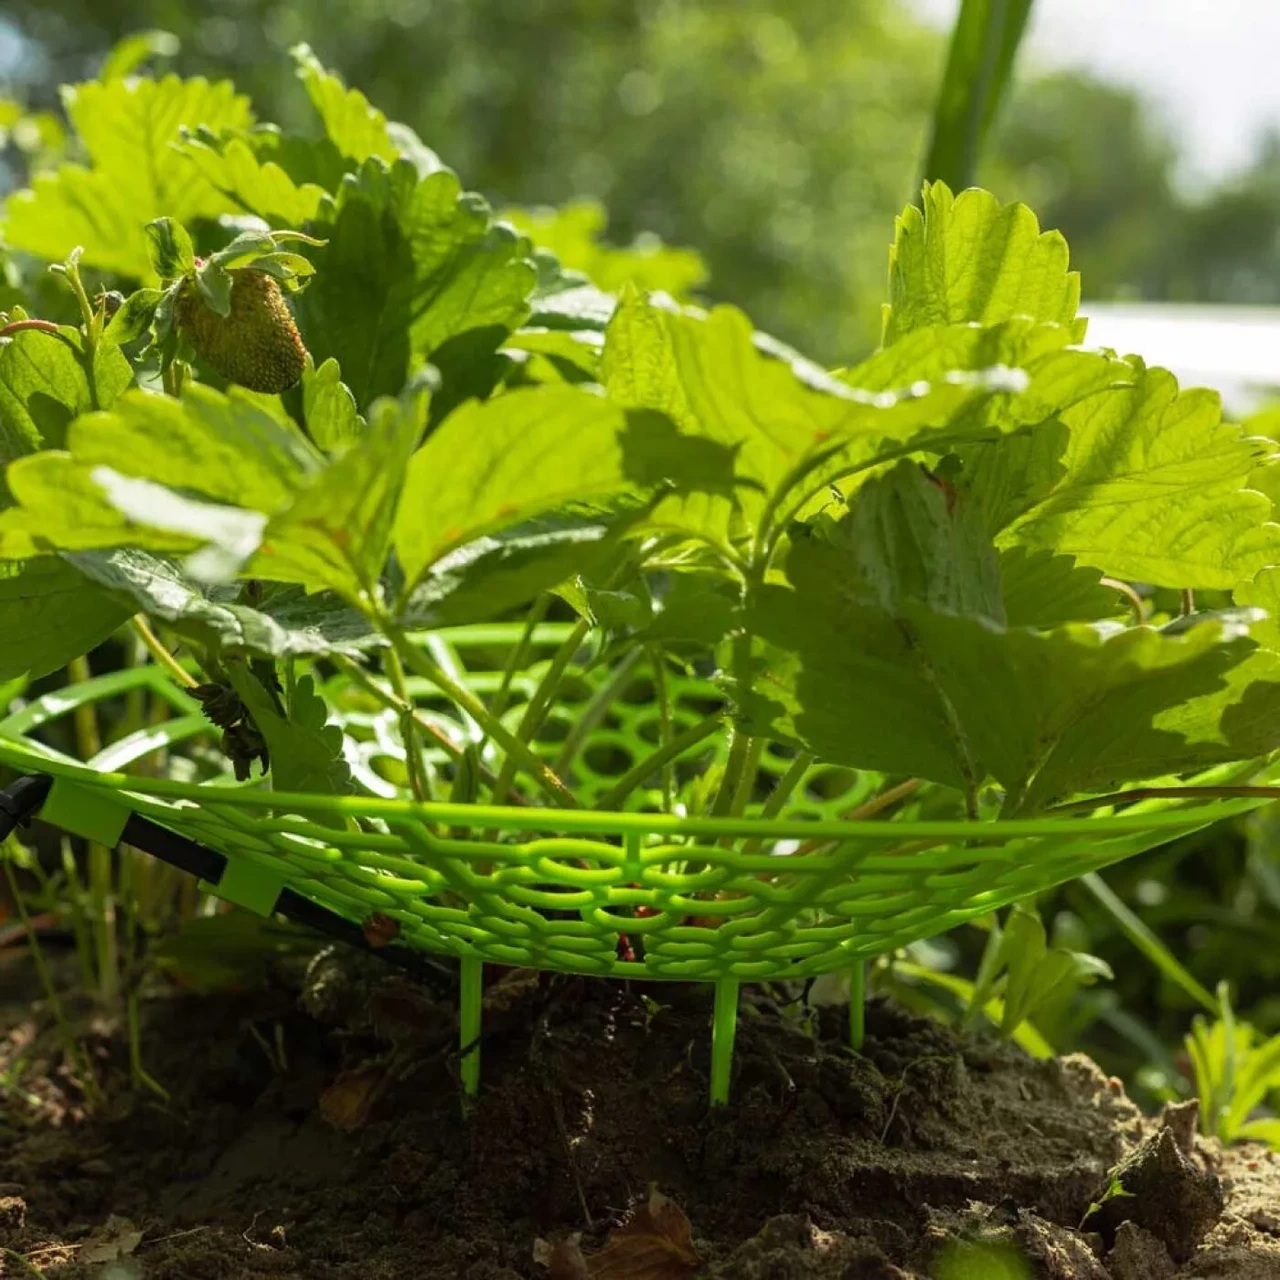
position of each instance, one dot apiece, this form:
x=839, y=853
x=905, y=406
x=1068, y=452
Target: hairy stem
x=517, y=751
x=18, y=326
x=419, y=782
x=540, y=704
x=596, y=710
x=663, y=756
x=161, y=654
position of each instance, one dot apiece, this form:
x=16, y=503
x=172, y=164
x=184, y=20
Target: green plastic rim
x=619, y=894
x=611, y=894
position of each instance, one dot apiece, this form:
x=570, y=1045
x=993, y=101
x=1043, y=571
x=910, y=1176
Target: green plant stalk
x=663, y=756
x=391, y=701
x=139, y=1077
x=781, y=793
x=419, y=783
x=102, y=896
x=540, y=704
x=519, y=657
x=596, y=710
x=70, y=1047
x=1229, y=1063
x=663, y=694
x=80, y=925
x=162, y=655
x=737, y=765
x=516, y=750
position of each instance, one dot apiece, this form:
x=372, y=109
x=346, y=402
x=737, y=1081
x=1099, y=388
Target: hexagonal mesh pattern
x=633, y=894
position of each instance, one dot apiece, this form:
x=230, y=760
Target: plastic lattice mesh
x=630, y=894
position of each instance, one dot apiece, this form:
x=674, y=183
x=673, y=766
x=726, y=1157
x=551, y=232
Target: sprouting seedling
x=1019, y=965
x=229, y=307
x=1234, y=1074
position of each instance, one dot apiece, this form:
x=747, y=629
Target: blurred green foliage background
x=777, y=137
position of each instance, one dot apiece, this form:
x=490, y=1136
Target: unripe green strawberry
x=257, y=345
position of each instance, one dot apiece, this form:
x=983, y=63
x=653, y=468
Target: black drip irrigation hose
x=22, y=800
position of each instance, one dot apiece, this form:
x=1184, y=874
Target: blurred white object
x=1234, y=350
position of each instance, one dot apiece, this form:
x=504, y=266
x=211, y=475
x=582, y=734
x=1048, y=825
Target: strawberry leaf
x=127, y=128
x=51, y=615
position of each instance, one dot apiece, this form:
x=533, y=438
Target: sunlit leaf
x=793, y=427
x=128, y=128
x=1142, y=482
x=493, y=465
x=409, y=263
x=285, y=622
x=969, y=259
x=44, y=384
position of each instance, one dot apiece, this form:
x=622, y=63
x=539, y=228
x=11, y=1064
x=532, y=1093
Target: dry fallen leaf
x=115, y=1239
x=348, y=1102
x=563, y=1259
x=654, y=1243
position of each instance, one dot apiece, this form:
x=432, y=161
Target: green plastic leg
x=857, y=1004
x=724, y=1026
x=470, y=998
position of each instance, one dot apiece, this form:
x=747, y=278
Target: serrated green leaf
x=1263, y=592
x=134, y=317
x=129, y=54
x=956, y=698
x=51, y=615
x=286, y=621
x=410, y=263
x=62, y=508
x=329, y=409
x=1041, y=589
x=337, y=532
x=489, y=577
x=1056, y=378
x=306, y=751
x=492, y=465
x=127, y=128
x=794, y=429
x=910, y=536
x=232, y=534
x=1141, y=482
x=222, y=445
x=261, y=187
x=699, y=608
x=968, y=259
x=44, y=385
x=169, y=249
x=357, y=129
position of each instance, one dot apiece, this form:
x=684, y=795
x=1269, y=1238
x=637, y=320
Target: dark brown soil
x=826, y=1164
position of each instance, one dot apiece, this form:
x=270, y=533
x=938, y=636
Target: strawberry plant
x=935, y=563
x=329, y=418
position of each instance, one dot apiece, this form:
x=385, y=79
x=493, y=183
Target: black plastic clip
x=21, y=800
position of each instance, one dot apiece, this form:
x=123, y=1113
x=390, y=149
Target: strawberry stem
x=17, y=326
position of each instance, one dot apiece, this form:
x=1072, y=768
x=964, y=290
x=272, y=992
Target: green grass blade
x=1148, y=943
x=984, y=43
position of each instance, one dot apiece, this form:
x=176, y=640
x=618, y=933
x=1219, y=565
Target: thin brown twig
x=870, y=809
